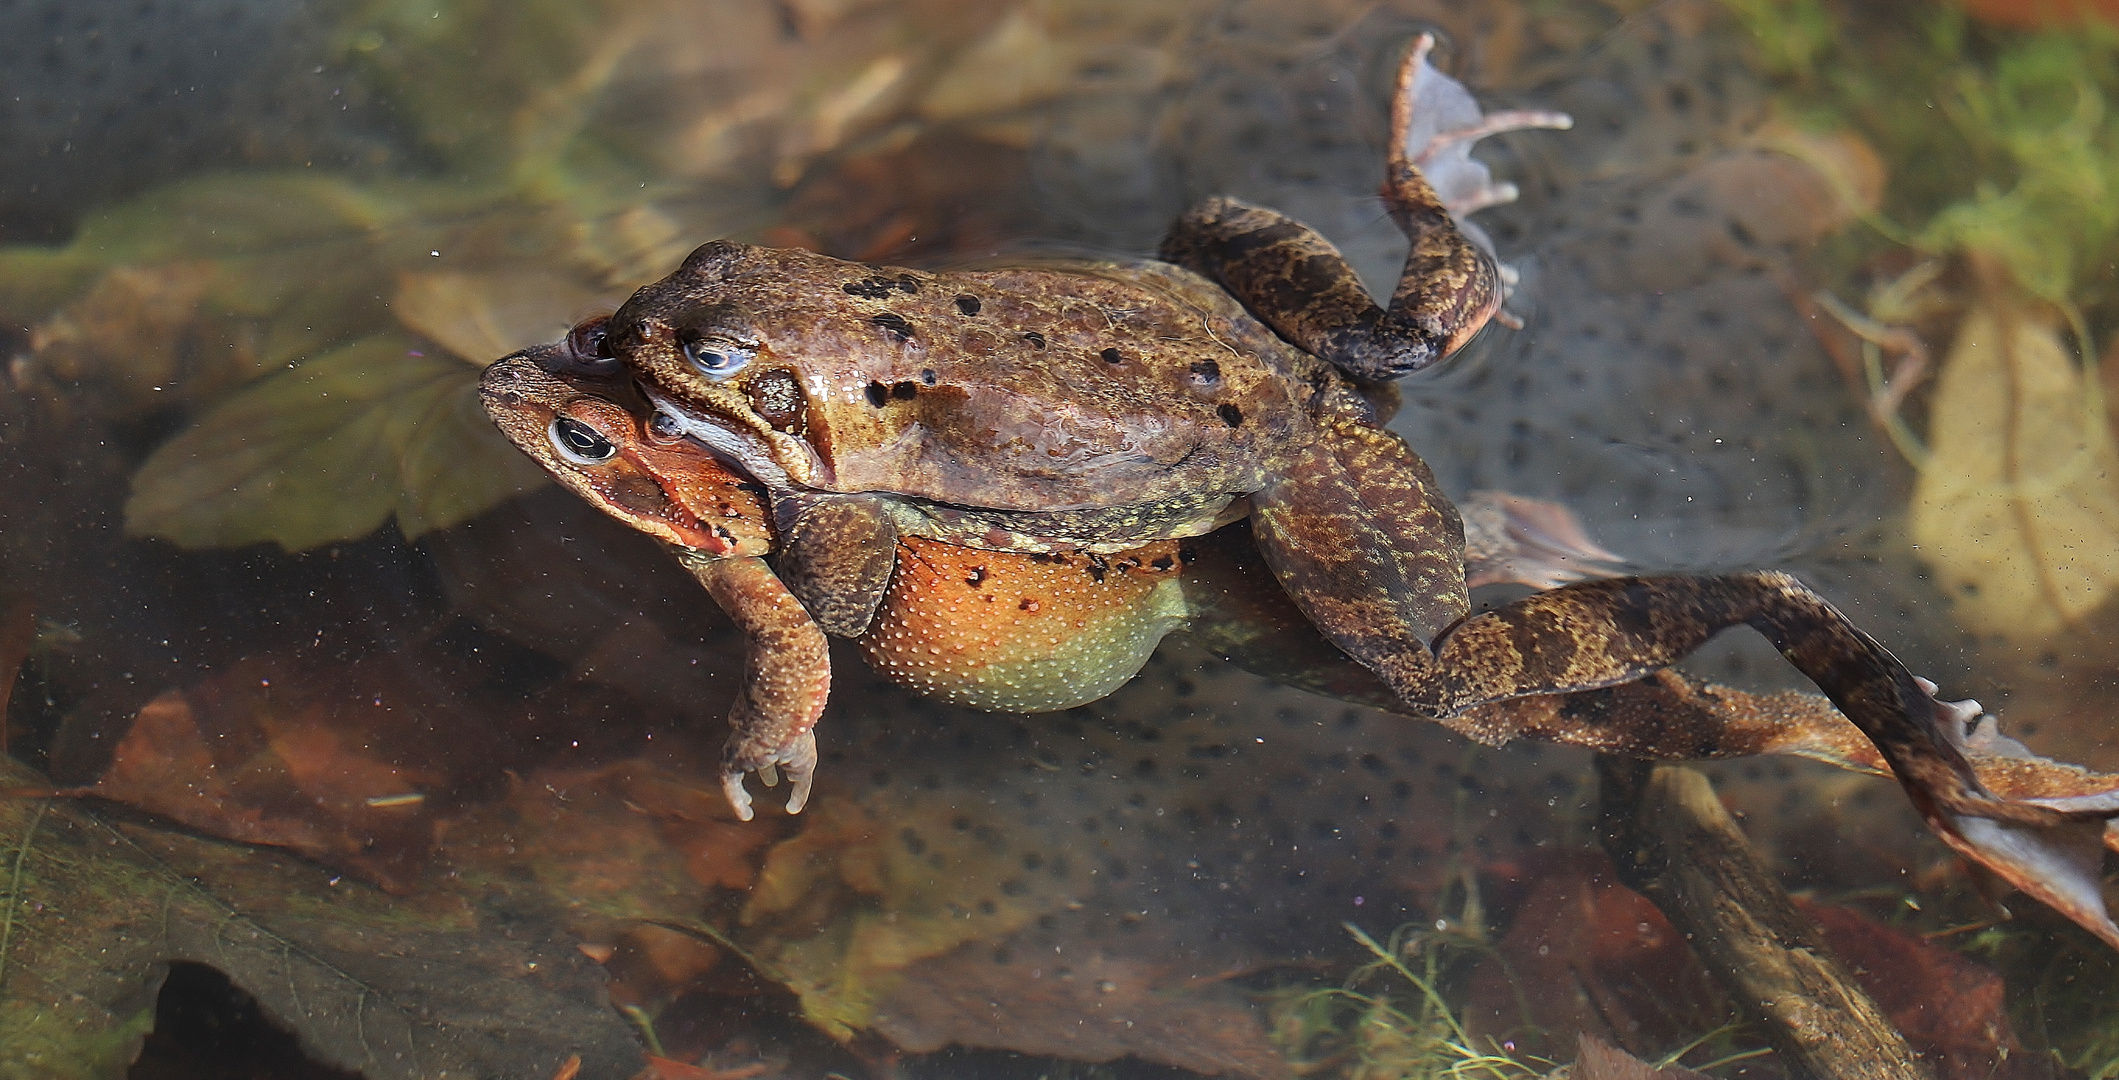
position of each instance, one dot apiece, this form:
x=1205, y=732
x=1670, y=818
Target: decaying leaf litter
x=826, y=913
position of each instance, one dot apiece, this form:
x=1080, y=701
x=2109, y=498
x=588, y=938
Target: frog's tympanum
x=931, y=459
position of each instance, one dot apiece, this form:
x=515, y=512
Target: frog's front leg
x=786, y=678
x=837, y=553
x=1297, y=282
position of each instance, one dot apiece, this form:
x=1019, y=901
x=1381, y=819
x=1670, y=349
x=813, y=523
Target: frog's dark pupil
x=583, y=439
x=969, y=305
x=711, y=359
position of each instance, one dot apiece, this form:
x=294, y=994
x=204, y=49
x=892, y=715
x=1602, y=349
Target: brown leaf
x=132, y=328
x=1095, y=1007
x=1599, y=1060
x=270, y=777
x=1953, y=1010
x=18, y=634
x=2018, y=512
x=1588, y=955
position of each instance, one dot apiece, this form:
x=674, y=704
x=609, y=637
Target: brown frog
x=1088, y=408
x=1096, y=408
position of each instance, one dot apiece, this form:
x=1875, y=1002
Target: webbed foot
x=2061, y=866
x=1534, y=542
x=1297, y=282
x=837, y=553
x=1434, y=125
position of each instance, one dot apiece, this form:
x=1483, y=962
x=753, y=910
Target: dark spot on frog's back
x=878, y=394
x=1112, y=356
x=1036, y=340
x=880, y=288
x=904, y=391
x=1230, y=415
x=967, y=304
x=894, y=323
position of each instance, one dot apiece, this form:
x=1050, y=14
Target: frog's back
x=1039, y=388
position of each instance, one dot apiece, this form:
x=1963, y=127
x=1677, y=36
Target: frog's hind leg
x=1362, y=538
x=786, y=679
x=1602, y=633
x=1298, y=283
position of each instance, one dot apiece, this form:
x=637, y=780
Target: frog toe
x=797, y=758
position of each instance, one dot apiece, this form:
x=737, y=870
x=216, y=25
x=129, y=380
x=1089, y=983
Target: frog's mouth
x=735, y=444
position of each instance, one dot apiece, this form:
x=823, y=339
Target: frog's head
x=575, y=427
x=714, y=347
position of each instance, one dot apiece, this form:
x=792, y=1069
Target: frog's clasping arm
x=786, y=678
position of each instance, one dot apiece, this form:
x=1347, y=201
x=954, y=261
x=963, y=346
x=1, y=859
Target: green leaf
x=93, y=911
x=329, y=451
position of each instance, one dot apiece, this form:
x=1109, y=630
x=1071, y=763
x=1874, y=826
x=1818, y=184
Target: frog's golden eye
x=579, y=443
x=716, y=358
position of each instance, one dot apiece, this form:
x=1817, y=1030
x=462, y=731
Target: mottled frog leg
x=1664, y=715
x=786, y=678
x=1297, y=282
x=837, y=553
x=1602, y=633
x=1358, y=532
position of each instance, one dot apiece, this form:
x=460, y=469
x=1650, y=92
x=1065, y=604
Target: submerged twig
x=1674, y=843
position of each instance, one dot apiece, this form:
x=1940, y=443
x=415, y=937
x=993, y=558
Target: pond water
x=340, y=738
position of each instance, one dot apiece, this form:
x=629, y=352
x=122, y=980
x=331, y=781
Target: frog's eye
x=579, y=443
x=589, y=345
x=665, y=427
x=716, y=358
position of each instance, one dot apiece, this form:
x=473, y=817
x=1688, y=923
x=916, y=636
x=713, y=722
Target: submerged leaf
x=92, y=912
x=484, y=316
x=328, y=451
x=2019, y=511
